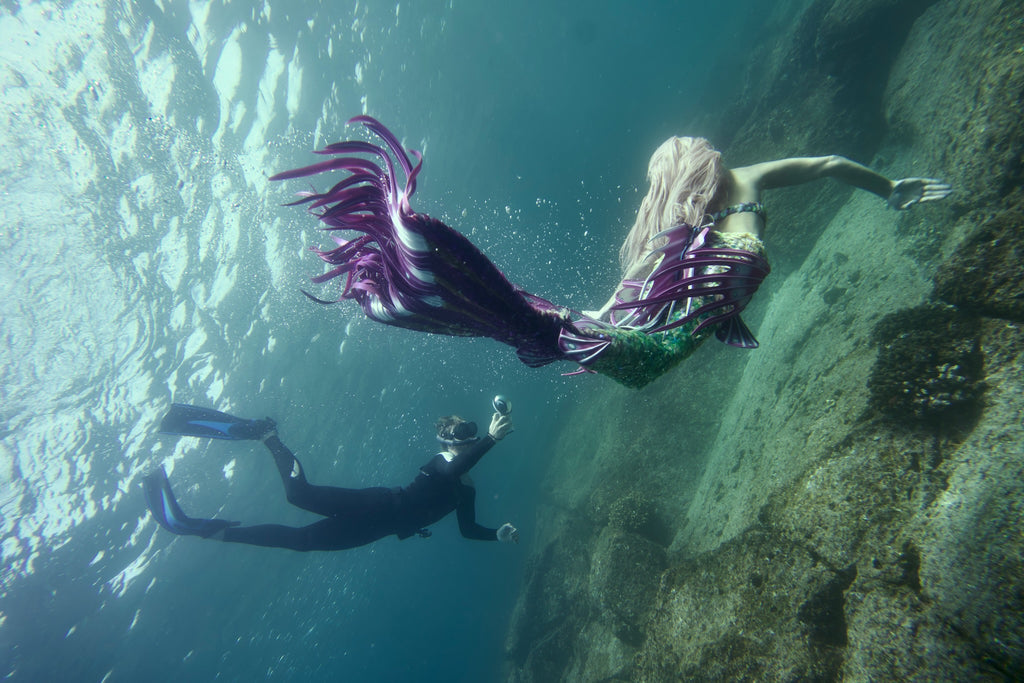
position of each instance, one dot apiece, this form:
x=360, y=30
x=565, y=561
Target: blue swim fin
x=169, y=514
x=186, y=420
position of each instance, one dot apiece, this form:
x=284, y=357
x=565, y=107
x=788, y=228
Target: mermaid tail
x=410, y=270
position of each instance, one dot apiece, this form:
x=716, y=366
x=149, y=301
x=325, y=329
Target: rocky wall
x=844, y=502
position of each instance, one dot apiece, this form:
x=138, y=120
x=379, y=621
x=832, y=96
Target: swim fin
x=186, y=420
x=169, y=514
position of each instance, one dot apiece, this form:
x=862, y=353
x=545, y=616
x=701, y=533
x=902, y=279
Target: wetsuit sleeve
x=464, y=462
x=466, y=513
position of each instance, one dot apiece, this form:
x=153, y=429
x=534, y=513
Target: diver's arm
x=464, y=461
x=500, y=427
x=466, y=514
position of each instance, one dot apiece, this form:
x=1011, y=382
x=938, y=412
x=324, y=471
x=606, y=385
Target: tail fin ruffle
x=694, y=281
x=413, y=271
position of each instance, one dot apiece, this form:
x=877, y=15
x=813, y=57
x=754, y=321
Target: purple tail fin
x=410, y=270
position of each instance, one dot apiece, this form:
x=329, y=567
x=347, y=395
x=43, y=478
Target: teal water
x=146, y=259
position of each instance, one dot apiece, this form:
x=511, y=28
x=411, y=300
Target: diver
x=690, y=265
x=353, y=517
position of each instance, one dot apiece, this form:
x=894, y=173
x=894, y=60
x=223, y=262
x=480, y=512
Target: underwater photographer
x=352, y=517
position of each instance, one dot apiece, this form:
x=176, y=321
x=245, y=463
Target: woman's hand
x=501, y=426
x=508, y=533
x=909, y=191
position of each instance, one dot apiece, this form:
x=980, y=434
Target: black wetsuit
x=356, y=517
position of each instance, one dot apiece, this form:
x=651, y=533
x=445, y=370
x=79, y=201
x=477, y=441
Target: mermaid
x=690, y=264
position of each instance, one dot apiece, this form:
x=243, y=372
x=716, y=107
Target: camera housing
x=501, y=405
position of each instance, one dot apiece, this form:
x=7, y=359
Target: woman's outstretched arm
x=901, y=194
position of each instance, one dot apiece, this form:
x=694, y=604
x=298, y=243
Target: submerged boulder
x=984, y=275
x=624, y=579
x=929, y=367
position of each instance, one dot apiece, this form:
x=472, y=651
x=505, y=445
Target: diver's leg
x=329, y=501
x=166, y=511
x=327, y=534
x=292, y=474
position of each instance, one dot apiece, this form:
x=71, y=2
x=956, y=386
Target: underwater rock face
x=625, y=574
x=928, y=368
x=761, y=608
x=636, y=513
x=554, y=608
x=984, y=275
x=972, y=548
x=856, y=514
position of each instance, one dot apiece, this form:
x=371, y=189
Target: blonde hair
x=684, y=175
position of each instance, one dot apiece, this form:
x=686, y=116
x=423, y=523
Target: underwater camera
x=502, y=405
